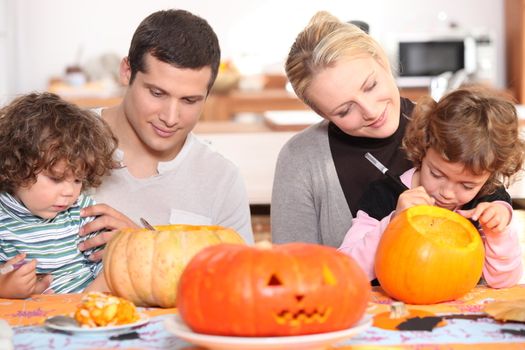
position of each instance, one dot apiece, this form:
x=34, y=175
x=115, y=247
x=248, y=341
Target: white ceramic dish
x=108, y=329
x=176, y=326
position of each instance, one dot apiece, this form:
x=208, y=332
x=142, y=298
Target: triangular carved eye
x=328, y=277
x=274, y=281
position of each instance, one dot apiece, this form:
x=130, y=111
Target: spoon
x=147, y=224
x=61, y=321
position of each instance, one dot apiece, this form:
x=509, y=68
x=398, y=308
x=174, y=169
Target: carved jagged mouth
x=302, y=316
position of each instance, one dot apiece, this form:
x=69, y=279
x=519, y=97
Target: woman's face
x=360, y=96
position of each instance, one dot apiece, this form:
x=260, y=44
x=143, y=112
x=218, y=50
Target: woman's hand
x=412, y=197
x=23, y=282
x=493, y=217
x=108, y=220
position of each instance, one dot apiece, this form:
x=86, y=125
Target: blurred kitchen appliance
x=420, y=57
x=364, y=26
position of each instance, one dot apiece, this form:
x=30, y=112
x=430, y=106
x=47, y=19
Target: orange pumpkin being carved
x=267, y=290
x=429, y=255
x=144, y=266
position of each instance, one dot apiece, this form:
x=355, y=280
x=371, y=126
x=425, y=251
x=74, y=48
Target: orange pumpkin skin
x=144, y=266
x=429, y=255
x=280, y=290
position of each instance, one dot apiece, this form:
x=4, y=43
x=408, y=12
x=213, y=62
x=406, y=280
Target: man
x=167, y=174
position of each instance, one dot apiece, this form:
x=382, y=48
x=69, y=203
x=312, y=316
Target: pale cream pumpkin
x=144, y=266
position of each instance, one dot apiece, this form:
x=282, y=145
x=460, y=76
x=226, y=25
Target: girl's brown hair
x=40, y=130
x=472, y=126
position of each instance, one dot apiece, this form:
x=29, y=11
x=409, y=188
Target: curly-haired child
x=464, y=149
x=51, y=151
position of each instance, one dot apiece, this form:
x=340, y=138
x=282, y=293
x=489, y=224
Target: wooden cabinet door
x=515, y=47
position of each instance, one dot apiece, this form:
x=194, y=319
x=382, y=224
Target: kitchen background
x=43, y=43
x=39, y=39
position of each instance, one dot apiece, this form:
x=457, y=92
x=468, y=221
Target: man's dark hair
x=176, y=37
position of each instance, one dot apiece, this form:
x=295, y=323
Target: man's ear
x=125, y=72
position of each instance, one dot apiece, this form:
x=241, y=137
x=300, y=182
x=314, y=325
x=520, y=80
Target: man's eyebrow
x=152, y=86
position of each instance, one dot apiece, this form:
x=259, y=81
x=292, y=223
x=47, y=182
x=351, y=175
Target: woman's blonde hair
x=325, y=41
x=472, y=126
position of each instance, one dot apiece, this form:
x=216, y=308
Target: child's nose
x=68, y=189
x=447, y=191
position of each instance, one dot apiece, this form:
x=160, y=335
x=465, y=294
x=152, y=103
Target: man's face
x=162, y=105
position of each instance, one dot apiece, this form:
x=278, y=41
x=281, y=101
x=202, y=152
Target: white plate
x=120, y=328
x=177, y=326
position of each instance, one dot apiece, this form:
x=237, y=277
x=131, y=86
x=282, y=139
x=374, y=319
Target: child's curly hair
x=473, y=126
x=40, y=130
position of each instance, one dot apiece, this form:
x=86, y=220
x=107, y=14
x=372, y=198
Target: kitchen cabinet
x=515, y=47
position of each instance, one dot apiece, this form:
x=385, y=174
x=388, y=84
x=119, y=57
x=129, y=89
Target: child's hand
x=22, y=282
x=492, y=216
x=412, y=197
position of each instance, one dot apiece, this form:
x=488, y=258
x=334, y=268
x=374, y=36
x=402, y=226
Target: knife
x=401, y=186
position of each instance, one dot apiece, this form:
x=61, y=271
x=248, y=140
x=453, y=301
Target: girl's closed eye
x=435, y=175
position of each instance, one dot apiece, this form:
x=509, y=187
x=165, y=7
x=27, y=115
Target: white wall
x=50, y=33
x=7, y=80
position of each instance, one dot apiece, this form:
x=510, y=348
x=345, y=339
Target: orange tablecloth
x=34, y=310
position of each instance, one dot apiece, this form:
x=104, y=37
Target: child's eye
x=468, y=187
x=78, y=181
x=437, y=176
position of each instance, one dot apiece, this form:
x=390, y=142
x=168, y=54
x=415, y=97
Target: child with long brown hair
x=464, y=149
x=51, y=151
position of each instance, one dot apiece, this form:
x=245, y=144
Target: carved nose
x=299, y=297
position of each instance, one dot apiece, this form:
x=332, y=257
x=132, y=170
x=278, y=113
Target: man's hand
x=107, y=219
x=493, y=217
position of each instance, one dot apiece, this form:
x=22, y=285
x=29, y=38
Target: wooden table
x=26, y=317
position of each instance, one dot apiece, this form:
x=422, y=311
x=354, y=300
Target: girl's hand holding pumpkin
x=412, y=197
x=23, y=282
x=493, y=217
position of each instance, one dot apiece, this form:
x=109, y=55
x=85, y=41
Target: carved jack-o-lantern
x=278, y=290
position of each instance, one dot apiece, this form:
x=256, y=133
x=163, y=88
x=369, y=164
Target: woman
x=344, y=76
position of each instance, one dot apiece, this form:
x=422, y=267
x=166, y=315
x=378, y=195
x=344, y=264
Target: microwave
x=419, y=58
